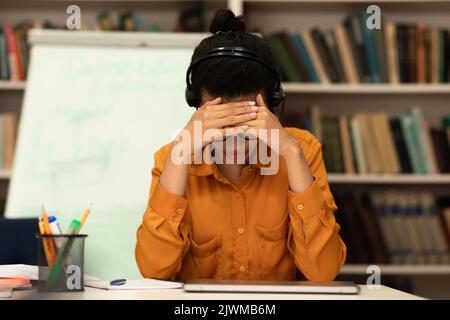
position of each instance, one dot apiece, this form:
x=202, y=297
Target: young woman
x=229, y=221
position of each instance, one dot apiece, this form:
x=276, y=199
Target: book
x=427, y=149
x=288, y=68
x=348, y=62
x=421, y=58
x=294, y=56
x=315, y=58
x=385, y=141
x=9, y=138
x=370, y=146
x=353, y=29
x=370, y=49
x=380, y=42
x=358, y=146
x=434, y=55
x=13, y=59
x=4, y=63
x=435, y=231
x=303, y=53
x=347, y=152
x=373, y=230
x=442, y=149
x=325, y=55
x=400, y=145
x=413, y=145
x=392, y=53
x=336, y=58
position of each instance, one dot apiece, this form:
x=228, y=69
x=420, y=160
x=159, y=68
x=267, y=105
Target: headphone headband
x=234, y=52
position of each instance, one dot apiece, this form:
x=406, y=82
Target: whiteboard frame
x=116, y=38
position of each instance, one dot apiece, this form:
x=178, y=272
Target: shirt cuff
x=167, y=204
x=307, y=203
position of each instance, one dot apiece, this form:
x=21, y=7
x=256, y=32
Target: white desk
x=385, y=293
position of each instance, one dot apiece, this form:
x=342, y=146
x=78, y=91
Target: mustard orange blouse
x=255, y=229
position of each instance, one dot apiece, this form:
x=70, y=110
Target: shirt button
x=236, y=194
x=250, y=169
x=300, y=206
x=179, y=211
x=242, y=269
x=241, y=230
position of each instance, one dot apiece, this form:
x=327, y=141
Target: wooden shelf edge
x=293, y=87
x=398, y=269
x=5, y=174
x=12, y=85
x=389, y=179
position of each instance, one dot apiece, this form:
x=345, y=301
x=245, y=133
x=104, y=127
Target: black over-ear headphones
x=234, y=52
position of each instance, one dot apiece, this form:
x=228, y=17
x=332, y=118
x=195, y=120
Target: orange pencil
x=45, y=243
x=84, y=217
x=48, y=231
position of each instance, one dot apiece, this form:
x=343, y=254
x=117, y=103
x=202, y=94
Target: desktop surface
x=384, y=293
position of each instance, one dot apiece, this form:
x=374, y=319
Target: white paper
x=140, y=284
x=27, y=271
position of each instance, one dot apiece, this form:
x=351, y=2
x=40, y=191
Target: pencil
x=48, y=231
x=85, y=216
x=44, y=243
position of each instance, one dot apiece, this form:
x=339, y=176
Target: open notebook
x=140, y=284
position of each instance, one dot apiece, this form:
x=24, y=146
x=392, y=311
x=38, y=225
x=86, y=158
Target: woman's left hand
x=267, y=120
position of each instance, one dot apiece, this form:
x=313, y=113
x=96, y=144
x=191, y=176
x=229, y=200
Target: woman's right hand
x=223, y=117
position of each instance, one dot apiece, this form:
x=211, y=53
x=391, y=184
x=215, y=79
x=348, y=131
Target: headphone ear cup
x=276, y=98
x=191, y=98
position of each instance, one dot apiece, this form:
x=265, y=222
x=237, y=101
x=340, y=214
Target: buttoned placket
x=240, y=250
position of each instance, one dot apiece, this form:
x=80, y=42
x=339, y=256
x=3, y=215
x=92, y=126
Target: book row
x=395, y=227
x=353, y=53
x=14, y=51
x=373, y=143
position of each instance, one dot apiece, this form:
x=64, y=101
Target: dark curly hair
x=230, y=78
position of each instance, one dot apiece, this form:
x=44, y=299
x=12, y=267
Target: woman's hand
x=214, y=115
x=267, y=120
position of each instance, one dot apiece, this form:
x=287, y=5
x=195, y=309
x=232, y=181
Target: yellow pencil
x=84, y=217
x=44, y=243
x=48, y=231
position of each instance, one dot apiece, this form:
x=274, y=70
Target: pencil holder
x=61, y=263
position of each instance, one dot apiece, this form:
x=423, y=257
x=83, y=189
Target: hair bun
x=225, y=20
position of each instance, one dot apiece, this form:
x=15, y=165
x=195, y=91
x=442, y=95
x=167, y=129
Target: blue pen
x=118, y=282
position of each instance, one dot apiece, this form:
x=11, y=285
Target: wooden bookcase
x=295, y=15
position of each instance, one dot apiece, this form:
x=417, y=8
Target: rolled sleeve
x=167, y=204
x=308, y=203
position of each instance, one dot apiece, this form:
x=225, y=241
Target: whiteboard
x=92, y=118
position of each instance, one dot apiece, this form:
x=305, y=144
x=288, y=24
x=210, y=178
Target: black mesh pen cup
x=61, y=262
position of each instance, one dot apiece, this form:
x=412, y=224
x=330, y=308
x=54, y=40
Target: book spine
x=392, y=53
x=12, y=53
x=345, y=52
x=421, y=58
x=302, y=52
x=370, y=49
x=315, y=59
x=358, y=146
x=324, y=55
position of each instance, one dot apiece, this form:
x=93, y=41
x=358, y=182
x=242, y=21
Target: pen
x=56, y=230
x=118, y=282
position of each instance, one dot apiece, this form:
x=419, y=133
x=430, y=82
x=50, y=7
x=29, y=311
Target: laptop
x=262, y=286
